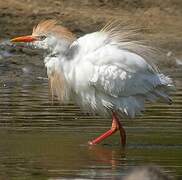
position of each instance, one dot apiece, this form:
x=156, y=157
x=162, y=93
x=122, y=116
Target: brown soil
x=160, y=20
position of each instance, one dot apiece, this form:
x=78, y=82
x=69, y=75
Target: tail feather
x=134, y=105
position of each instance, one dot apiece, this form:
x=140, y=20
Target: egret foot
x=116, y=125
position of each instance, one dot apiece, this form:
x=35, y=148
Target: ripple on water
x=44, y=140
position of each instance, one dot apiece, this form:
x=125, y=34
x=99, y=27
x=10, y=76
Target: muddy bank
x=160, y=20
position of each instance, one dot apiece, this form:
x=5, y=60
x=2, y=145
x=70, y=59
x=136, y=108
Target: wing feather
x=123, y=64
x=120, y=74
x=118, y=82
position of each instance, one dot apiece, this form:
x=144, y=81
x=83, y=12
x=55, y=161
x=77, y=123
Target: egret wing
x=113, y=72
x=120, y=82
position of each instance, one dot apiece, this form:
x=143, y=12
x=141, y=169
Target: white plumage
x=106, y=72
x=102, y=74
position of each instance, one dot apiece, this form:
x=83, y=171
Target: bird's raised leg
x=116, y=125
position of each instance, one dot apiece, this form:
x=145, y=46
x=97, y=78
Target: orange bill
x=24, y=39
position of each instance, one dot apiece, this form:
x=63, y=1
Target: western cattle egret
x=106, y=72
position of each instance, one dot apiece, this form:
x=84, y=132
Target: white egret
x=106, y=72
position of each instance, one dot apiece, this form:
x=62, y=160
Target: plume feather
x=52, y=27
x=127, y=37
x=57, y=86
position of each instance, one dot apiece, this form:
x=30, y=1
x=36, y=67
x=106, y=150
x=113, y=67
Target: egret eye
x=42, y=37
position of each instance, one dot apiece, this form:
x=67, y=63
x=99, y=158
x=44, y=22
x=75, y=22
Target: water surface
x=41, y=140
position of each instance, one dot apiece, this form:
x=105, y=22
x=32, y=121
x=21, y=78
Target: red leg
x=121, y=130
x=116, y=125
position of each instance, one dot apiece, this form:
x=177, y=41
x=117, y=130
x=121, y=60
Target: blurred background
x=41, y=140
x=161, y=19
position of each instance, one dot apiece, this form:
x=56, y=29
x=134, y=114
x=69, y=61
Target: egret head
x=48, y=35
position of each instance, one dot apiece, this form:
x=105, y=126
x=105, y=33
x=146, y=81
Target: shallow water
x=41, y=140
